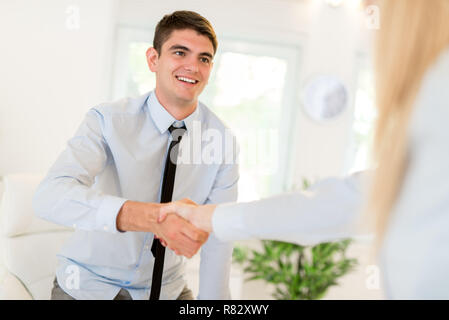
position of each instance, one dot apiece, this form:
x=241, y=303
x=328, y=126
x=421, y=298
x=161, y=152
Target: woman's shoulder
x=431, y=112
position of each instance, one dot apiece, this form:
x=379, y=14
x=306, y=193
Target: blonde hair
x=412, y=35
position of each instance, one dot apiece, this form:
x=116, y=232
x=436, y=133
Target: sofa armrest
x=11, y=288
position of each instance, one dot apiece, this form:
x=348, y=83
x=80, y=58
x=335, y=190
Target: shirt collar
x=163, y=119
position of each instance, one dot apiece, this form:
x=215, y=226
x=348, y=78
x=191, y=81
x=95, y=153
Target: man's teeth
x=187, y=80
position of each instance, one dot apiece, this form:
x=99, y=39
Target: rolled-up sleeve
x=66, y=195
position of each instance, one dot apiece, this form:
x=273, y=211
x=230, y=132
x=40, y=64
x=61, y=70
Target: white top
x=414, y=258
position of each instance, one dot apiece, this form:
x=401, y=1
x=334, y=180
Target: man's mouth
x=188, y=80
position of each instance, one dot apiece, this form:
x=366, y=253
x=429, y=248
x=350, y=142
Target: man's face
x=182, y=68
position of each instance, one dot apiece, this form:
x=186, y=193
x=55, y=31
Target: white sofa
x=28, y=245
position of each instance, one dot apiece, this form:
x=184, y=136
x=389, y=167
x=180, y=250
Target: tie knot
x=177, y=132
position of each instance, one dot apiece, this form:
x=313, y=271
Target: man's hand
x=175, y=232
x=162, y=241
x=180, y=235
x=138, y=216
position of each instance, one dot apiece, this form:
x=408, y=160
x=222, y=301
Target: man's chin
x=188, y=100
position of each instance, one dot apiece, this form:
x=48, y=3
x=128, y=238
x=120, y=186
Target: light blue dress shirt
x=118, y=154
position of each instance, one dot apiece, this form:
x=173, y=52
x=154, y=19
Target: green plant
x=297, y=272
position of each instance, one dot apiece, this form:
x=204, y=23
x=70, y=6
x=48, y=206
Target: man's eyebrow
x=207, y=54
x=180, y=47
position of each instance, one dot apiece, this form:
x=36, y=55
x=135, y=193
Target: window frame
x=281, y=48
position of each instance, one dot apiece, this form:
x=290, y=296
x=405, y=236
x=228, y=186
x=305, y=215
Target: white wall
x=260, y=18
x=334, y=41
x=50, y=76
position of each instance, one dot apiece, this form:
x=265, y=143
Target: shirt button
x=105, y=228
x=147, y=247
x=74, y=225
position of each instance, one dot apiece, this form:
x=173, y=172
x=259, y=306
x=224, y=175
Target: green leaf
x=297, y=272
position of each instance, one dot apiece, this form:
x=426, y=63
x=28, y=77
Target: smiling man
x=120, y=167
x=182, y=65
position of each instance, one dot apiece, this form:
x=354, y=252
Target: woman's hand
x=199, y=215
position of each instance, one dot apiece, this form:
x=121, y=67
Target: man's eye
x=180, y=53
x=205, y=60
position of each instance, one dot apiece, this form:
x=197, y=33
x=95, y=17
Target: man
x=107, y=183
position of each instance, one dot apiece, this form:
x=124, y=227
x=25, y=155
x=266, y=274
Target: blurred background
x=294, y=76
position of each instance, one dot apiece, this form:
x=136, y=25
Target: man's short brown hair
x=179, y=20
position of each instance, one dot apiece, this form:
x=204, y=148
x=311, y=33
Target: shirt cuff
x=107, y=213
x=228, y=222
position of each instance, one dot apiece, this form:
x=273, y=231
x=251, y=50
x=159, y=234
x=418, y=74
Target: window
x=251, y=89
x=365, y=114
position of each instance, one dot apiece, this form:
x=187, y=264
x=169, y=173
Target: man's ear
x=152, y=59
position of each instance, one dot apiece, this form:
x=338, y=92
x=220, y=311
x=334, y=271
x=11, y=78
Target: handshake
x=196, y=227
x=182, y=226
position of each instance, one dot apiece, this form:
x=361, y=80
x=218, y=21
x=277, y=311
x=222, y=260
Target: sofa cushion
x=17, y=215
x=32, y=259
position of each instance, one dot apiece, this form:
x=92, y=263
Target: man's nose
x=192, y=65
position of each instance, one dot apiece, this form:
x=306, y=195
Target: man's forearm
x=138, y=216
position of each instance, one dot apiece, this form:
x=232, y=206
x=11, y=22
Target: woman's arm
x=329, y=210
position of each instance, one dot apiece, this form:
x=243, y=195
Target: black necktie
x=168, y=182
